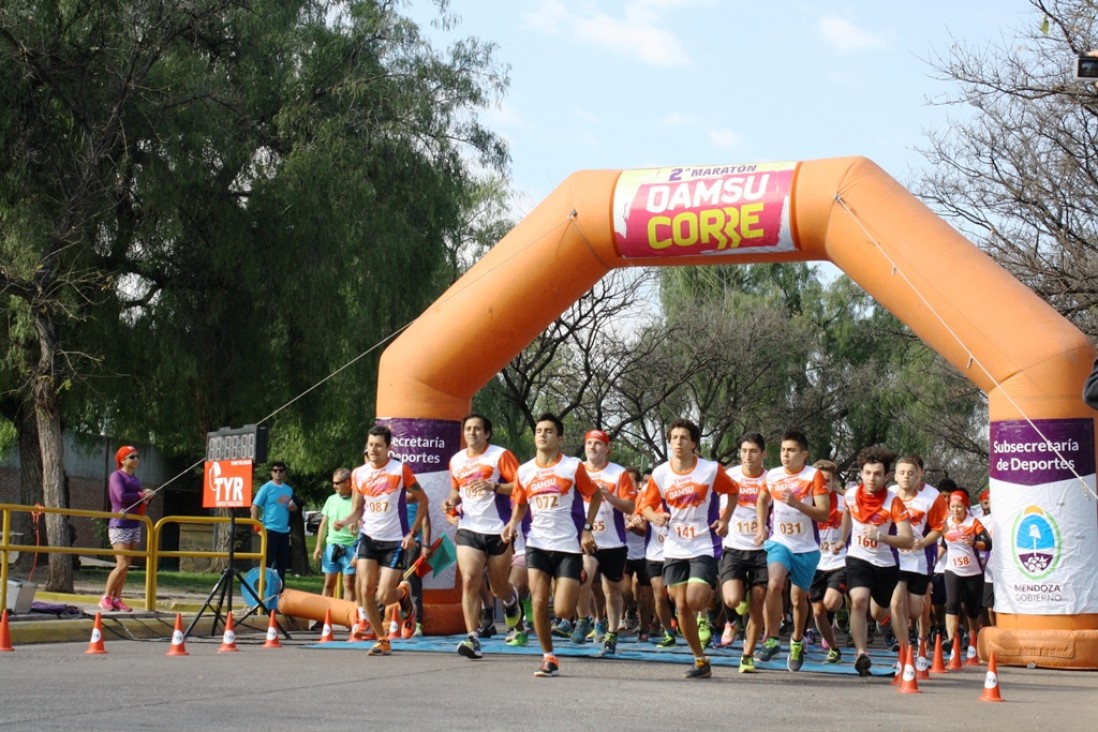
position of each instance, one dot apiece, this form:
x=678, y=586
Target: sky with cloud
x=642, y=83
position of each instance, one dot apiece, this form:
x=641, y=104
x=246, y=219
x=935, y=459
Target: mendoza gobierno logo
x=1036, y=543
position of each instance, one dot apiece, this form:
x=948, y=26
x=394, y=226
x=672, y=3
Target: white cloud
x=845, y=36
x=725, y=139
x=641, y=33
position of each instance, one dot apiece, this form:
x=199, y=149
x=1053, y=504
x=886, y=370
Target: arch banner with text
x=1029, y=360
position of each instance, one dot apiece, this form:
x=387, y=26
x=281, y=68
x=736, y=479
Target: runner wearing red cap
x=965, y=537
x=619, y=493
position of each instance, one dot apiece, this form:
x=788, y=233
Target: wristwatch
x=586, y=526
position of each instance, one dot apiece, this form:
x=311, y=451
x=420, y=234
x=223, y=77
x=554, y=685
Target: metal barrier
x=261, y=555
x=151, y=553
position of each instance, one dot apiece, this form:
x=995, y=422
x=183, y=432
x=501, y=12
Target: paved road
x=135, y=686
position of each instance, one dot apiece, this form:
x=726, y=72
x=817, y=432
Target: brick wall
x=88, y=464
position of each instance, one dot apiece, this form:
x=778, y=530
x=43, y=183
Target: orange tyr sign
x=228, y=484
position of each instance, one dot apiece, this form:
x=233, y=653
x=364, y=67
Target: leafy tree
x=212, y=206
x=1019, y=174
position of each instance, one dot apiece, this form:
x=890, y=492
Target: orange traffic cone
x=326, y=634
x=938, y=666
x=971, y=658
x=5, y=633
x=95, y=647
x=922, y=666
x=955, y=657
x=179, y=646
x=991, y=682
x=272, y=634
x=910, y=684
x=228, y=641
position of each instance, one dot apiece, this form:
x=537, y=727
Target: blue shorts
x=801, y=567
x=344, y=564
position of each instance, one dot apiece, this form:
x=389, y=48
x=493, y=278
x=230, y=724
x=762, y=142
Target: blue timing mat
x=884, y=662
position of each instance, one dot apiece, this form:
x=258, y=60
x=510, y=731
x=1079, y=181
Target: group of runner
x=552, y=532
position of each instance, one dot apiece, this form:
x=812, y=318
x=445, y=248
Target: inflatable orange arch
x=1029, y=360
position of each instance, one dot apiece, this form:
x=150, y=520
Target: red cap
x=985, y=495
x=960, y=496
x=123, y=452
x=597, y=435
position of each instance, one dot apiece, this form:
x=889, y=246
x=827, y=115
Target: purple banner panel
x=1063, y=449
x=425, y=445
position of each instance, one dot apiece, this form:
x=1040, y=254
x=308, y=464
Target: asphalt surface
x=135, y=686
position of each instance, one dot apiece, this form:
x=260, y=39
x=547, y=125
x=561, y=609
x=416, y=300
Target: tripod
x=224, y=586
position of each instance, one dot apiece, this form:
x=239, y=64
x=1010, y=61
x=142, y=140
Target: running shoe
x=642, y=636
x=728, y=637
x=770, y=648
x=512, y=614
x=579, y=633
x=705, y=631
x=741, y=609
x=747, y=664
x=408, y=628
x=609, y=645
x=862, y=664
x=382, y=648
x=810, y=637
x=786, y=626
x=842, y=619
x=487, y=627
x=834, y=656
x=667, y=642
x=470, y=648
x=106, y=604
x=119, y=605
x=418, y=632
x=550, y=666
x=518, y=638
x=600, y=631
x=700, y=670
x=362, y=632
x=796, y=655
x=563, y=629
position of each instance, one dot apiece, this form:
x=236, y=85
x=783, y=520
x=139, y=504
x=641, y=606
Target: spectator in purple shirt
x=127, y=496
